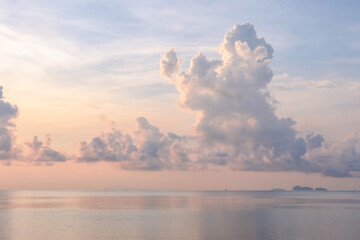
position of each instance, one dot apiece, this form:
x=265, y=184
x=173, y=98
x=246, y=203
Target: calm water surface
x=228, y=215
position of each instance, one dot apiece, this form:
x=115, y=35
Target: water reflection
x=229, y=215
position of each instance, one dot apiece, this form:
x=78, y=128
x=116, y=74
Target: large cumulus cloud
x=236, y=122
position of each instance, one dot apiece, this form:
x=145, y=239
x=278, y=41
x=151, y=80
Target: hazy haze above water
x=90, y=215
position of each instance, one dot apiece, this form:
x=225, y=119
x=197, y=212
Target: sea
x=166, y=215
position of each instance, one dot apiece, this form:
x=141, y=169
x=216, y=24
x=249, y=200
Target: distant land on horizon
x=300, y=188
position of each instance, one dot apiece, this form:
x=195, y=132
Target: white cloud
x=236, y=121
x=338, y=159
x=146, y=149
x=286, y=82
x=235, y=114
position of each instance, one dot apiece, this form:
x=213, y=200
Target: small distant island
x=277, y=190
x=299, y=188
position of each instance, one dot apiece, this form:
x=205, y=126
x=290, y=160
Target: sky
x=179, y=95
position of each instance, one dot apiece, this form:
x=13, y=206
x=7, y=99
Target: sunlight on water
x=90, y=215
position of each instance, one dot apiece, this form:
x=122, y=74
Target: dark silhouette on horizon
x=299, y=188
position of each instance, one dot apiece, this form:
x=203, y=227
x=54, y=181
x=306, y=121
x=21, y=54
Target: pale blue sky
x=310, y=38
